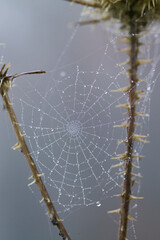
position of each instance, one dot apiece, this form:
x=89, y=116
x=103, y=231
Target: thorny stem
x=132, y=97
x=54, y=218
x=134, y=15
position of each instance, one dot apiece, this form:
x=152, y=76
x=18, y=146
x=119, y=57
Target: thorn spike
x=134, y=181
x=144, y=61
x=122, y=173
x=7, y=68
x=124, y=50
x=131, y=218
x=114, y=211
x=16, y=146
x=135, y=197
x=30, y=177
x=122, y=105
x=117, y=165
x=136, y=175
x=124, y=89
x=3, y=67
x=41, y=200
x=40, y=175
x=122, y=141
x=119, y=195
x=120, y=156
x=134, y=166
x=30, y=184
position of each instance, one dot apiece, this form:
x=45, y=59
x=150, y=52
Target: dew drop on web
x=98, y=204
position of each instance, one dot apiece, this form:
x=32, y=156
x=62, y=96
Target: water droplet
x=98, y=204
x=149, y=88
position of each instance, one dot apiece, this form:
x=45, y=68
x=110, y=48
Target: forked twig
x=5, y=85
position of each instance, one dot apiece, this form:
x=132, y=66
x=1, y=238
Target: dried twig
x=5, y=85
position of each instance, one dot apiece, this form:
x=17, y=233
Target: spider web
x=75, y=135
x=69, y=118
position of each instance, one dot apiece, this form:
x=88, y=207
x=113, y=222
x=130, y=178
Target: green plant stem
x=132, y=97
x=35, y=174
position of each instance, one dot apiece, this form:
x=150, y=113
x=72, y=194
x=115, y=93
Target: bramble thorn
x=135, y=175
x=60, y=220
x=119, y=195
x=135, y=198
x=139, y=138
x=143, y=61
x=7, y=68
x=3, y=67
x=141, y=114
x=122, y=105
x=121, y=125
x=139, y=91
x=16, y=146
x=30, y=184
x=125, y=39
x=114, y=211
x=122, y=141
x=22, y=135
x=41, y=200
x=139, y=35
x=120, y=156
x=40, y=175
x=117, y=165
x=134, y=166
x=124, y=89
x=124, y=50
x=137, y=124
x=131, y=218
x=134, y=181
x=122, y=173
x=142, y=96
x=30, y=177
x=137, y=156
x=124, y=63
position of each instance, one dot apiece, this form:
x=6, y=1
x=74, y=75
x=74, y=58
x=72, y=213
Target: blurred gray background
x=35, y=33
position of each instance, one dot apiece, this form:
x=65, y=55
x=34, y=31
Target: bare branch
x=21, y=144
